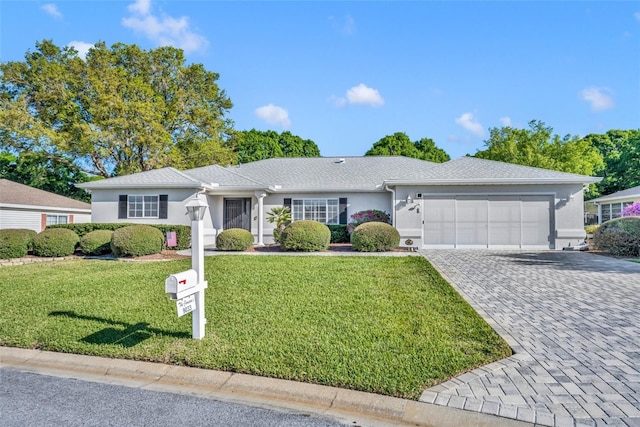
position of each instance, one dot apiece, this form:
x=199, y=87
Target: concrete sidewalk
x=347, y=406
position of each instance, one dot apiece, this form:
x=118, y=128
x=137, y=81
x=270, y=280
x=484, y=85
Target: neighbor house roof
x=474, y=171
x=629, y=193
x=369, y=173
x=12, y=193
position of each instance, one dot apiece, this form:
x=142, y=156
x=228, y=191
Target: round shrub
x=136, y=240
x=375, y=237
x=305, y=236
x=15, y=243
x=619, y=237
x=234, y=239
x=97, y=242
x=52, y=242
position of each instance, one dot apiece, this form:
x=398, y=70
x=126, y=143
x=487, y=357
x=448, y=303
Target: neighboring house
x=611, y=206
x=463, y=203
x=22, y=206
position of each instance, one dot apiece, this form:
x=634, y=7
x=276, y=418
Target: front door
x=237, y=213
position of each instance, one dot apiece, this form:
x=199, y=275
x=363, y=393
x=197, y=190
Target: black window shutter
x=287, y=204
x=343, y=210
x=122, y=206
x=163, y=207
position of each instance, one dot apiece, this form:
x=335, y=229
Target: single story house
x=22, y=206
x=611, y=206
x=463, y=203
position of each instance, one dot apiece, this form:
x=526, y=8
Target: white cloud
x=81, y=47
x=506, y=121
x=51, y=9
x=360, y=94
x=164, y=30
x=470, y=123
x=637, y=16
x=348, y=27
x=599, y=98
x=274, y=115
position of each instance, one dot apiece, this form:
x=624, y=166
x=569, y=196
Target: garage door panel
x=504, y=221
x=439, y=222
x=471, y=221
x=536, y=221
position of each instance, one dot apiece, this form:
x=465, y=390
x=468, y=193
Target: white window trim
x=157, y=202
x=57, y=217
x=326, y=207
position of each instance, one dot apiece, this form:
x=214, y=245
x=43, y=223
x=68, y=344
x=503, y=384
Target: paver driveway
x=573, y=320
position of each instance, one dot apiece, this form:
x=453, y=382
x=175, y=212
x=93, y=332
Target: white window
x=321, y=210
x=606, y=212
x=57, y=219
x=143, y=206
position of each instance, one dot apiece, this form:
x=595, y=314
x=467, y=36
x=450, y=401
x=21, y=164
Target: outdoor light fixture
x=409, y=199
x=196, y=209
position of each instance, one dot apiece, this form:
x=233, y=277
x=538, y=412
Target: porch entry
x=237, y=213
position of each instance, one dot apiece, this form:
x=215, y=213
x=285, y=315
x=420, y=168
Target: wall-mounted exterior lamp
x=409, y=199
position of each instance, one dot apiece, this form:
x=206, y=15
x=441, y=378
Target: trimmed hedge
x=339, y=233
x=375, y=237
x=97, y=242
x=183, y=232
x=54, y=242
x=619, y=237
x=136, y=240
x=305, y=236
x=234, y=239
x=16, y=242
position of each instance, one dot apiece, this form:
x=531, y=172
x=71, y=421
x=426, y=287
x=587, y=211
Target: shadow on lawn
x=131, y=335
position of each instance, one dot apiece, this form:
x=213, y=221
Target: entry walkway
x=573, y=320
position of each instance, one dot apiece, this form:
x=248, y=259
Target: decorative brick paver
x=573, y=321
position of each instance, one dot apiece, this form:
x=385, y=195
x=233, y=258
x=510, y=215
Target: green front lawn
x=388, y=325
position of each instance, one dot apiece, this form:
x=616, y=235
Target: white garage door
x=487, y=221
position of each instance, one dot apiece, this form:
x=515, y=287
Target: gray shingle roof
x=19, y=194
x=629, y=192
x=329, y=173
x=164, y=178
x=340, y=174
x=471, y=170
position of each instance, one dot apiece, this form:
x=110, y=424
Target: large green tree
x=621, y=152
x=399, y=144
x=120, y=110
x=252, y=145
x=539, y=147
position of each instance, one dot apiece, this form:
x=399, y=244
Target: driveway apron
x=573, y=321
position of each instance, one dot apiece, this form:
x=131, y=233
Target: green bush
x=15, y=243
x=234, y=239
x=97, y=242
x=619, y=237
x=305, y=236
x=53, y=242
x=136, y=240
x=375, y=237
x=339, y=233
x=183, y=232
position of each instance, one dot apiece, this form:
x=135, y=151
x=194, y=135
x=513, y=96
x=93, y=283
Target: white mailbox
x=181, y=284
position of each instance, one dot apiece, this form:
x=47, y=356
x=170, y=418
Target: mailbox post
x=196, y=209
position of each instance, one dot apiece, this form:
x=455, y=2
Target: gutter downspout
x=393, y=204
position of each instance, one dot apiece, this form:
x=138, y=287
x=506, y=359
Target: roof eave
x=508, y=181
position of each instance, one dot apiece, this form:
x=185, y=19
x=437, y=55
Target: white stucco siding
x=564, y=215
x=104, y=206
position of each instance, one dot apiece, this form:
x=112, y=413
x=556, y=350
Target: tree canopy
x=620, y=150
x=252, y=145
x=399, y=144
x=539, y=147
x=120, y=110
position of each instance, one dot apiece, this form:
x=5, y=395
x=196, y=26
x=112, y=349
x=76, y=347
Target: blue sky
x=345, y=74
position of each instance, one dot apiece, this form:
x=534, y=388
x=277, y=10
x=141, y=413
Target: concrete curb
x=365, y=409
